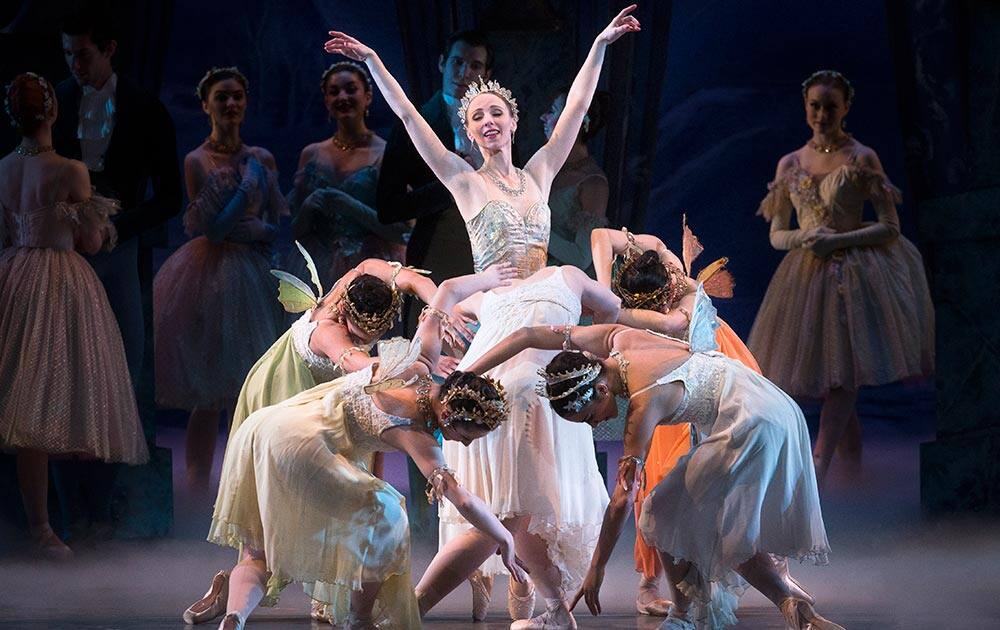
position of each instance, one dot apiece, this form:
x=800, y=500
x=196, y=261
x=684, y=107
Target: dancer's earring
x=843, y=123
x=366, y=112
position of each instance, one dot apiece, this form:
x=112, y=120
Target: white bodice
x=322, y=369
x=365, y=420
x=498, y=233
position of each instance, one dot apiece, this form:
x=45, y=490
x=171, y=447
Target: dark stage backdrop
x=732, y=106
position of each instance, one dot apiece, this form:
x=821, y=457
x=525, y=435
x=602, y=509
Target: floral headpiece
x=587, y=374
x=490, y=412
x=47, y=96
x=673, y=290
x=482, y=87
x=375, y=324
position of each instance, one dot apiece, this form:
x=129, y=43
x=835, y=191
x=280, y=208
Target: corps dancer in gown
x=658, y=293
x=334, y=195
x=65, y=384
x=328, y=341
x=507, y=216
x=297, y=492
x=849, y=305
x=214, y=312
x=743, y=495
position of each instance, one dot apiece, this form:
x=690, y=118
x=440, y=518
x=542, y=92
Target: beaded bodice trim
x=702, y=376
x=365, y=420
x=322, y=369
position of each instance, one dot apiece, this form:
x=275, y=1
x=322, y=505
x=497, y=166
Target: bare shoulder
x=378, y=143
x=265, y=157
x=866, y=155
x=789, y=160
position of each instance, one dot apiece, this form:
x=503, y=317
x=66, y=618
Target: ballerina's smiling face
x=826, y=108
x=346, y=95
x=489, y=122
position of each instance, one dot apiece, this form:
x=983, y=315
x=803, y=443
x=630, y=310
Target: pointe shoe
x=482, y=592
x=357, y=623
x=800, y=615
x=49, y=546
x=649, y=602
x=320, y=612
x=232, y=621
x=677, y=620
x=212, y=604
x=555, y=617
x=520, y=606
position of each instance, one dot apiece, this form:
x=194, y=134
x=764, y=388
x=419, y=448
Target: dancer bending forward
x=297, y=493
x=746, y=491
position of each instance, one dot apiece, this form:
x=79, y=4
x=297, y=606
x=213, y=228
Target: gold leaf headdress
x=670, y=292
x=375, y=324
x=489, y=413
x=482, y=87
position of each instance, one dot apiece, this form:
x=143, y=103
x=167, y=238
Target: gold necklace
x=424, y=400
x=830, y=148
x=623, y=374
x=222, y=147
x=30, y=151
x=499, y=183
x=344, y=145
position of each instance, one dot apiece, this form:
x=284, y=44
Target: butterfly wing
x=395, y=356
x=294, y=294
x=311, y=266
x=691, y=246
x=718, y=281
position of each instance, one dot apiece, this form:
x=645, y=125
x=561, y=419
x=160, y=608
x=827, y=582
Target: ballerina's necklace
x=499, y=183
x=830, y=148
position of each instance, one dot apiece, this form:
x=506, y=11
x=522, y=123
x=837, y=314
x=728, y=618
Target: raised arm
x=594, y=297
x=407, y=280
x=447, y=166
x=436, y=325
x=547, y=161
x=606, y=243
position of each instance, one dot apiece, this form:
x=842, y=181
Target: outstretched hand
x=344, y=44
x=500, y=274
x=623, y=23
x=512, y=563
x=590, y=591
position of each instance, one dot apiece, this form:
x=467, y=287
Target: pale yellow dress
x=296, y=484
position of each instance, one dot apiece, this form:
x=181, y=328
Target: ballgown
x=336, y=242
x=535, y=464
x=569, y=219
x=296, y=483
x=214, y=307
x=66, y=387
x=747, y=487
x=863, y=315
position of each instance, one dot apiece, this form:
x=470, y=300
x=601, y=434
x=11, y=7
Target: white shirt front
x=97, y=122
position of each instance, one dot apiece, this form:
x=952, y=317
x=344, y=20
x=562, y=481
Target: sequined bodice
x=835, y=199
x=321, y=368
x=499, y=234
x=54, y=226
x=365, y=420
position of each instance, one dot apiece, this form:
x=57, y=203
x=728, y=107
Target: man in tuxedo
x=126, y=138
x=407, y=189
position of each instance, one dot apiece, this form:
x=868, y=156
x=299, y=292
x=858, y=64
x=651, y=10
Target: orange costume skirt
x=670, y=443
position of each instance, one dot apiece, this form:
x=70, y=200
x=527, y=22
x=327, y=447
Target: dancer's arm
x=433, y=328
x=447, y=166
x=427, y=455
x=407, y=280
x=638, y=435
x=547, y=161
x=598, y=340
x=606, y=243
x=87, y=238
x=594, y=297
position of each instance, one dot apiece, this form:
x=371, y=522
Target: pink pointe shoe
x=48, y=546
x=520, y=606
x=482, y=592
x=233, y=621
x=800, y=615
x=212, y=604
x=648, y=600
x=555, y=617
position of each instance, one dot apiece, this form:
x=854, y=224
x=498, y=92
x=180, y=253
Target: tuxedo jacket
x=408, y=189
x=142, y=150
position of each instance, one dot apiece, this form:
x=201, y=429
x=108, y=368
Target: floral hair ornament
x=375, y=324
x=831, y=75
x=489, y=413
x=213, y=72
x=483, y=87
x=46, y=102
x=587, y=374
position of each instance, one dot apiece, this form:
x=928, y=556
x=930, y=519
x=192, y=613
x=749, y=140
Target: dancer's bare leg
x=33, y=478
x=247, y=585
x=833, y=419
x=452, y=565
x=764, y=574
x=362, y=604
x=199, y=446
x=675, y=572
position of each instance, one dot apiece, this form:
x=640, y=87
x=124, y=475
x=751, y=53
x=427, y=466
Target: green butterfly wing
x=294, y=294
x=311, y=266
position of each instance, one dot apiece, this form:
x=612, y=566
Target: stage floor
x=891, y=567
